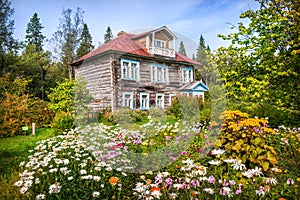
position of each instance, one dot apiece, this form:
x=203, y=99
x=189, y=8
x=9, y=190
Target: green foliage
x=6, y=27
x=174, y=108
x=108, y=35
x=188, y=108
x=19, y=109
x=66, y=39
x=85, y=42
x=61, y=97
x=245, y=138
x=69, y=100
x=182, y=49
x=12, y=86
x=261, y=65
x=34, y=34
x=276, y=116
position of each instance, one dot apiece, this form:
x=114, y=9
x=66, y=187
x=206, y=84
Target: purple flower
x=168, y=138
x=169, y=181
x=183, y=153
x=158, y=179
x=205, y=136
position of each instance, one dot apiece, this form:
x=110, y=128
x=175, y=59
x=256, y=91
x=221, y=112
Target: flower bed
x=168, y=161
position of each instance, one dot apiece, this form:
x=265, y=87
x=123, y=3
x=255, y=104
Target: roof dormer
x=160, y=42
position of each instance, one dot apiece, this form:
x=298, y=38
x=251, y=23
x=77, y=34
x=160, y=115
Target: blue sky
x=188, y=17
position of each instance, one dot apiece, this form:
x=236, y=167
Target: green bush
x=190, y=108
x=69, y=100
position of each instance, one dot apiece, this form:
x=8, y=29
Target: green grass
x=13, y=150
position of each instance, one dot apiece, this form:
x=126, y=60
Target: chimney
x=121, y=32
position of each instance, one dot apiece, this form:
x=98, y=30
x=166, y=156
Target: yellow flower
x=298, y=179
x=114, y=180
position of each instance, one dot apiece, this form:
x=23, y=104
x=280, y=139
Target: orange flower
x=298, y=179
x=148, y=181
x=281, y=198
x=114, y=180
x=155, y=189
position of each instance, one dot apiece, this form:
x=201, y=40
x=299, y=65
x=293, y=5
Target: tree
x=34, y=60
x=262, y=63
x=34, y=34
x=201, y=51
x=202, y=57
x=85, y=42
x=7, y=42
x=108, y=35
x=6, y=27
x=66, y=39
x=182, y=49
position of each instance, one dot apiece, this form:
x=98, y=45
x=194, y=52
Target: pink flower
x=239, y=191
x=211, y=179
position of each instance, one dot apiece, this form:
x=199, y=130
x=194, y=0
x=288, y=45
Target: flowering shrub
x=246, y=138
x=95, y=163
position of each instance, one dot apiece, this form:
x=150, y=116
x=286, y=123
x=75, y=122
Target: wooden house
x=138, y=71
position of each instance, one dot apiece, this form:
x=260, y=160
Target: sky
x=190, y=18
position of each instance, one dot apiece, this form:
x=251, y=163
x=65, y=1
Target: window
x=187, y=75
x=130, y=69
x=144, y=101
x=159, y=73
x=160, y=101
x=159, y=43
x=127, y=98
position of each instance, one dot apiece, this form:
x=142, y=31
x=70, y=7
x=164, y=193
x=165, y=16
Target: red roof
x=126, y=44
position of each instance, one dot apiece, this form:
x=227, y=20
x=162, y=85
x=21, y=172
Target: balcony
x=161, y=51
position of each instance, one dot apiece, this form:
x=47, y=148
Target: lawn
x=13, y=150
x=171, y=160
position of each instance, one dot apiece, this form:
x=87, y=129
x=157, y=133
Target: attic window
x=159, y=43
x=130, y=69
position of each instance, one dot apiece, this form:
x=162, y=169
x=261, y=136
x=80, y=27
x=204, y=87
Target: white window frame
x=125, y=100
x=131, y=72
x=170, y=98
x=160, y=103
x=159, y=43
x=187, y=74
x=159, y=73
x=144, y=105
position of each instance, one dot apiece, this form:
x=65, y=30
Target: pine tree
x=34, y=60
x=34, y=34
x=108, y=35
x=182, y=49
x=201, y=57
x=85, y=42
x=7, y=42
x=6, y=27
